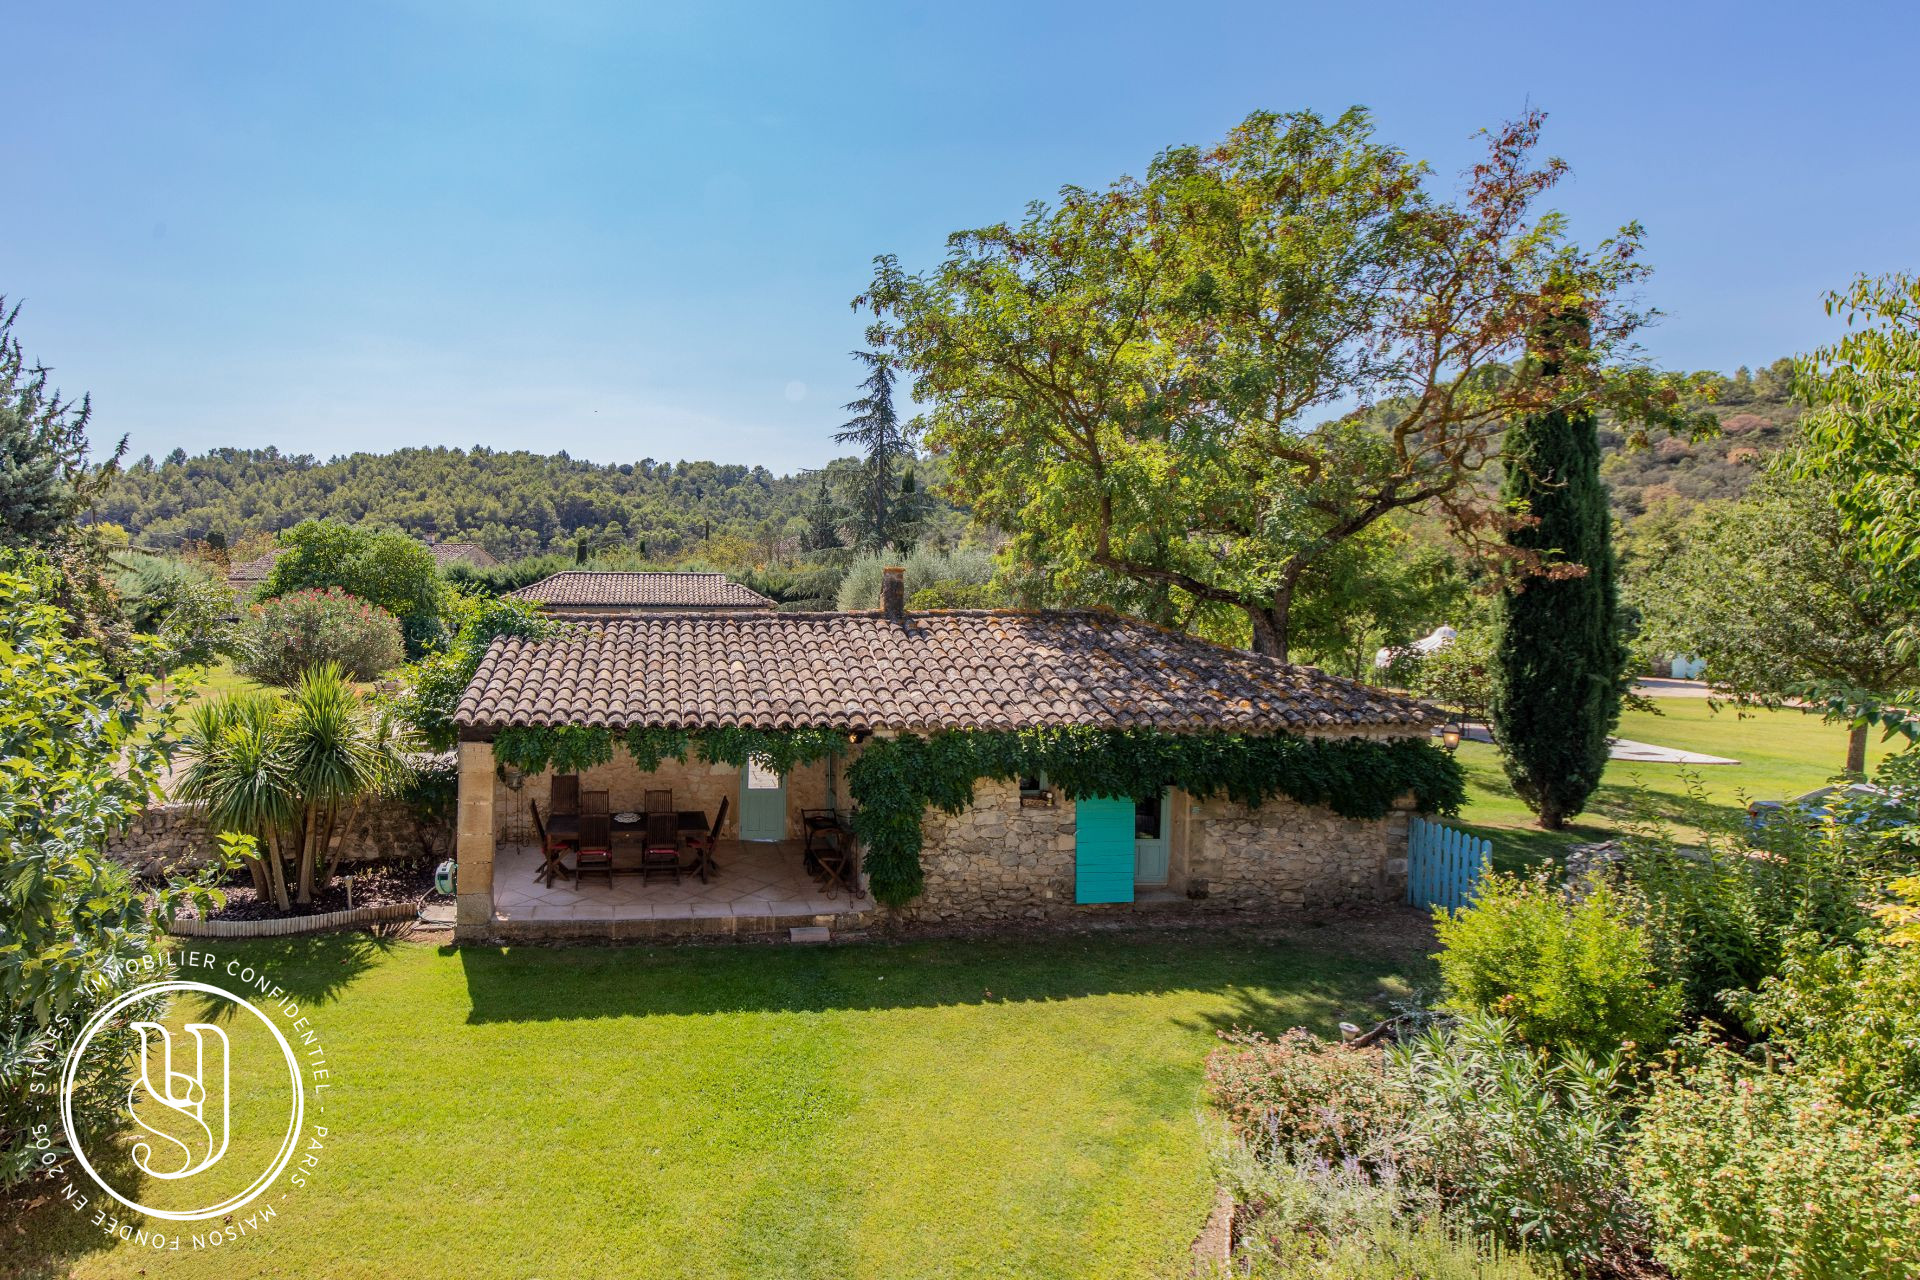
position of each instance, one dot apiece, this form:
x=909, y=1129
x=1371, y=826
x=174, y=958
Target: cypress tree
x=1560, y=667
x=884, y=440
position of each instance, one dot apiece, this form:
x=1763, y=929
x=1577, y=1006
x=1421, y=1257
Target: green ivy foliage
x=894, y=780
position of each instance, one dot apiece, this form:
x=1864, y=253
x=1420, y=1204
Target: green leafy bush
x=286, y=636
x=431, y=688
x=1722, y=913
x=1749, y=1172
x=75, y=765
x=926, y=570
x=1566, y=972
x=1851, y=1015
x=388, y=570
x=1303, y=1097
x=1522, y=1145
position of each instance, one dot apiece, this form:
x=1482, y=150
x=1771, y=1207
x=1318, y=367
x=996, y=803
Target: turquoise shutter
x=1103, y=850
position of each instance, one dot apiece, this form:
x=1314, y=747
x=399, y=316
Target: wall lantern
x=1450, y=738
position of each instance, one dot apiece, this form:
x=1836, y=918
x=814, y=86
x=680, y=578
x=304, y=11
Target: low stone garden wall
x=174, y=835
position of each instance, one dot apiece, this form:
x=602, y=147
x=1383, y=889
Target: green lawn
x=941, y=1108
x=1781, y=754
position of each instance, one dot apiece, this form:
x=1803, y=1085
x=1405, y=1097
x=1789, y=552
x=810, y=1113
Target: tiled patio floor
x=754, y=880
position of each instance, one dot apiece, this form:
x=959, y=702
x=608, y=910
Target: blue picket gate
x=1444, y=864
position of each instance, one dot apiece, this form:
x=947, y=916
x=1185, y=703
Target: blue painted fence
x=1444, y=865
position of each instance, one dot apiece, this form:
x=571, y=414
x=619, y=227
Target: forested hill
x=519, y=504
x=1758, y=417
x=514, y=504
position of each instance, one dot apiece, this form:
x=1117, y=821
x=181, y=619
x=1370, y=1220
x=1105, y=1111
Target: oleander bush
x=1567, y=971
x=284, y=637
x=1524, y=1145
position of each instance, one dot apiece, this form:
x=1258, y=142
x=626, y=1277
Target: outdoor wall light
x=514, y=778
x=1450, y=737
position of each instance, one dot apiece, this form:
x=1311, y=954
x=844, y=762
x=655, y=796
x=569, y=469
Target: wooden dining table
x=629, y=835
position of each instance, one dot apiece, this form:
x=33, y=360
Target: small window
x=1033, y=784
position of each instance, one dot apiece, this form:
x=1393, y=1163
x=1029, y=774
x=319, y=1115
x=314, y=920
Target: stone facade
x=1008, y=859
x=173, y=835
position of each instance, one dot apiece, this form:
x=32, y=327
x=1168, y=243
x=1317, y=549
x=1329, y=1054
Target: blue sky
x=628, y=230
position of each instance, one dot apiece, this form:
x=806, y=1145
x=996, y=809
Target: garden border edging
x=384, y=913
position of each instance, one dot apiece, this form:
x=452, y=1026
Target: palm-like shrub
x=289, y=771
x=284, y=637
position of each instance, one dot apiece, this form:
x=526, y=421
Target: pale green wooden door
x=1150, y=843
x=763, y=803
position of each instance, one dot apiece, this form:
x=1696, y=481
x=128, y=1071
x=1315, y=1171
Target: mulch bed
x=374, y=884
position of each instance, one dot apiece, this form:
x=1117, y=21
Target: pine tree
x=884, y=444
x=1560, y=666
x=823, y=521
x=44, y=480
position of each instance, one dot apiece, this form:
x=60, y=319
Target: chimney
x=893, y=593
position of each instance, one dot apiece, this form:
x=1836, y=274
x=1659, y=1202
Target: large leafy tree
x=880, y=505
x=386, y=569
x=1559, y=663
x=76, y=762
x=1779, y=595
x=1862, y=431
x=1144, y=383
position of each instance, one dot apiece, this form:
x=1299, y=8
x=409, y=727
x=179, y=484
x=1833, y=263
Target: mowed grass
x=938, y=1108
x=1781, y=754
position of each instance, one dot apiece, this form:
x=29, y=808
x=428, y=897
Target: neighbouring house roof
x=965, y=669
x=583, y=589
x=253, y=572
x=446, y=553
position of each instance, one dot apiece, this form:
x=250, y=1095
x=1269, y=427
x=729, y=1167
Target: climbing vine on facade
x=893, y=781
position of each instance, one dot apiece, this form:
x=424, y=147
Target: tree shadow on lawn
x=311, y=969
x=43, y=1235
x=1273, y=977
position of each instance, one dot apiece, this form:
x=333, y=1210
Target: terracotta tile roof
x=643, y=591
x=446, y=553
x=965, y=669
x=256, y=569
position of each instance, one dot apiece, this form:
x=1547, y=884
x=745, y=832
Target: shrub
x=1301, y=1097
x=389, y=570
x=1750, y=1172
x=1521, y=1145
x=285, y=636
x=1851, y=1015
x=945, y=572
x=1567, y=973
x=1722, y=915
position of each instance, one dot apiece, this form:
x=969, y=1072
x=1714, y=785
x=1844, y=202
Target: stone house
x=1022, y=850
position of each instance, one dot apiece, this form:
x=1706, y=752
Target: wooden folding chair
x=551, y=847
x=594, y=802
x=704, y=844
x=658, y=802
x=563, y=796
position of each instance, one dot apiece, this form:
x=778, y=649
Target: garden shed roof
x=643, y=591
x=964, y=669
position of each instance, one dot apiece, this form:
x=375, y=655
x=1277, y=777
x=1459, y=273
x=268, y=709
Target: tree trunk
x=1857, y=751
x=277, y=877
x=307, y=834
x=257, y=869
x=336, y=822
x=1269, y=630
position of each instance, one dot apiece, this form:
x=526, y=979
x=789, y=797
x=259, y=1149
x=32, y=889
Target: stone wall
x=171, y=835
x=1005, y=859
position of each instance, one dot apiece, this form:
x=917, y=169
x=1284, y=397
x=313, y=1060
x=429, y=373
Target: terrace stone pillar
x=474, y=841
